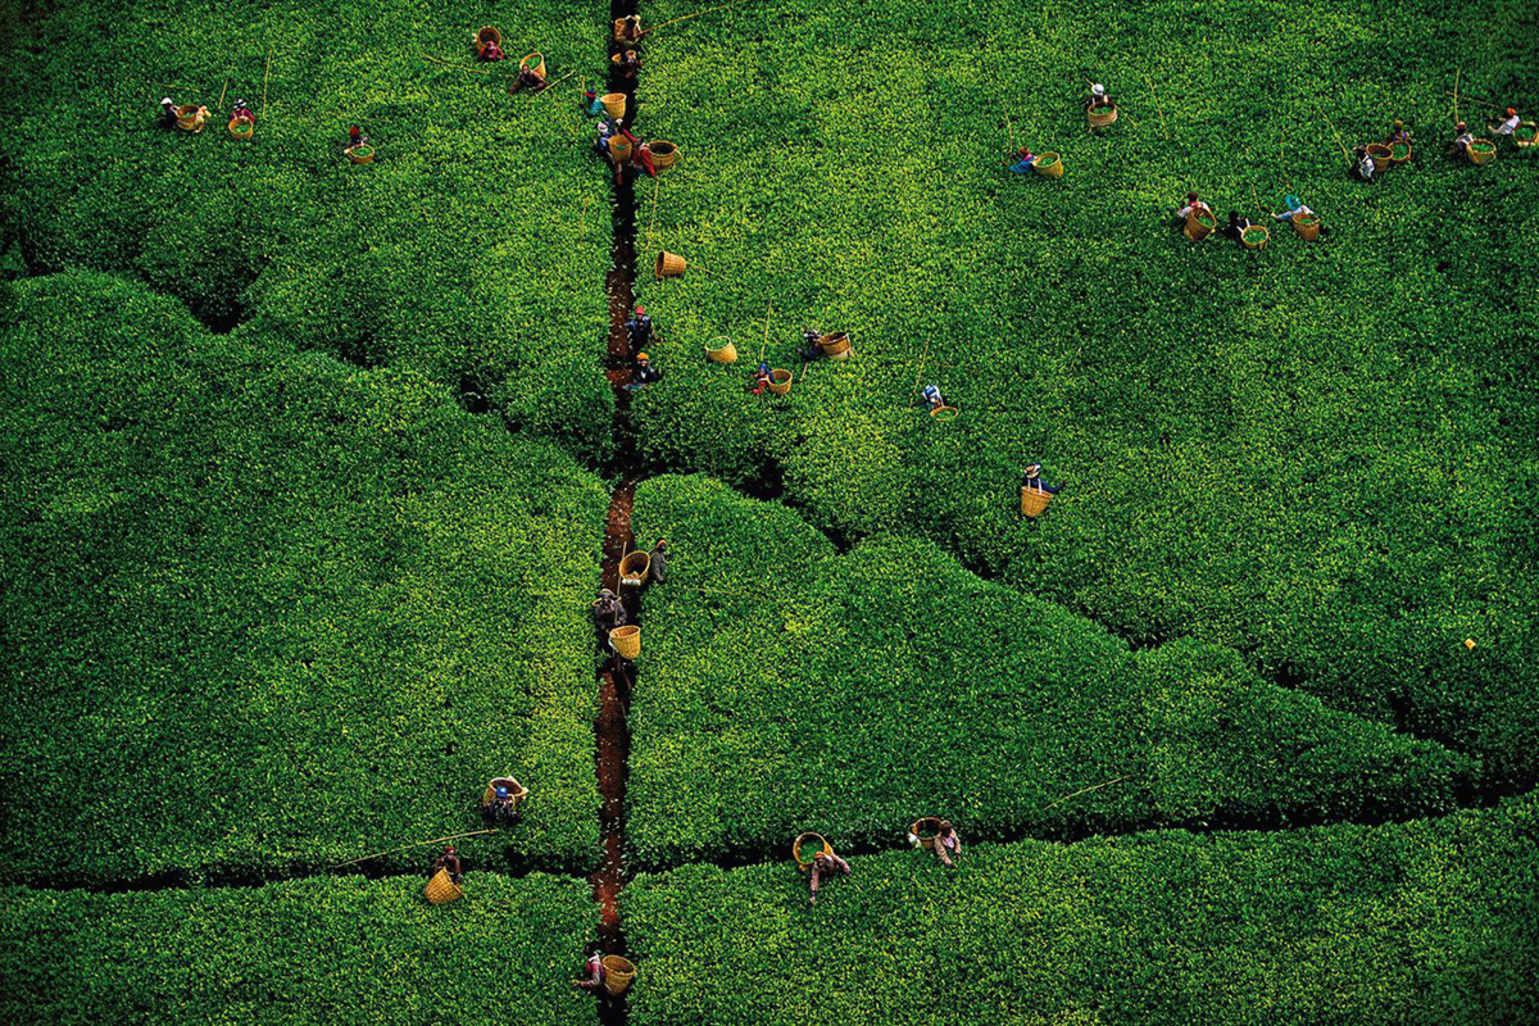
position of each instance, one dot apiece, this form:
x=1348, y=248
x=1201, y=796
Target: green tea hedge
x=306, y=951
x=473, y=248
x=1318, y=455
x=267, y=610
x=1427, y=922
x=789, y=689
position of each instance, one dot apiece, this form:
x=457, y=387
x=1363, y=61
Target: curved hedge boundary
x=1320, y=456
x=1428, y=922
x=268, y=612
x=792, y=689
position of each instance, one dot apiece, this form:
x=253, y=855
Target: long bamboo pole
x=220, y=105
x=1481, y=103
x=1339, y=142
x=1084, y=790
x=267, y=72
x=696, y=14
x=1456, y=93
x=415, y=844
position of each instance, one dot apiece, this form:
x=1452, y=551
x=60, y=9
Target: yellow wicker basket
x=619, y=973
x=441, y=890
x=822, y=846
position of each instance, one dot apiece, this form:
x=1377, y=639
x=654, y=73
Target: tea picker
x=1193, y=205
x=607, y=614
x=1398, y=134
x=1460, y=147
x=242, y=112
x=944, y=841
x=1235, y=229
x=627, y=63
x=1507, y=125
x=761, y=379
x=167, y=113
x=1296, y=208
x=1032, y=478
x=1023, y=158
x=812, y=349
x=592, y=106
x=595, y=970
x=531, y=74
x=639, y=329
x=628, y=30
x=932, y=396
x=644, y=374
x=449, y=862
x=657, y=559
x=1363, y=164
x=499, y=803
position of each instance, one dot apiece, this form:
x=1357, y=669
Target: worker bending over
x=1033, y=479
x=826, y=862
x=449, y=861
x=1460, y=147
x=947, y=843
x=1507, y=125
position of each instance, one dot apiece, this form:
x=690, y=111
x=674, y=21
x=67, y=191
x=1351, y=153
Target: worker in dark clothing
x=528, y=78
x=167, y=113
x=659, y=561
x=1460, y=147
x=1236, y=226
x=644, y=374
x=810, y=341
x=761, y=379
x=628, y=30
x=607, y=614
x=449, y=860
x=1022, y=160
x=592, y=106
x=242, y=111
x=1033, y=479
x=628, y=62
x=1398, y=134
x=639, y=329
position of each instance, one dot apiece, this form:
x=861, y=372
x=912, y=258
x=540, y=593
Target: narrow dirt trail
x=616, y=677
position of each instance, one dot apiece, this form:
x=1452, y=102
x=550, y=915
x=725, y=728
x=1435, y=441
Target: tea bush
x=852, y=694
x=1318, y=455
x=472, y=250
x=306, y=951
x=269, y=610
x=1423, y=922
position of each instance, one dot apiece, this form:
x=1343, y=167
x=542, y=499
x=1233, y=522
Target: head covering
x=1511, y=112
x=1399, y=123
x=1291, y=201
x=167, y=102
x=1098, y=89
x=501, y=790
x=641, y=357
x=640, y=310
x=1461, y=125
x=1033, y=468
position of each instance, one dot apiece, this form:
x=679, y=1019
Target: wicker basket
x=668, y=265
x=1380, y=154
x=836, y=345
x=1307, y=225
x=780, y=381
x=360, y=154
x=487, y=34
x=534, y=62
x=945, y=413
x=441, y=890
x=1530, y=132
x=1484, y=154
x=518, y=792
x=1255, y=237
x=1100, y=117
x=620, y=148
x=190, y=118
x=1399, y=153
x=626, y=641
x=917, y=830
x=1034, y=501
x=614, y=104
x=241, y=127
x=664, y=153
x=634, y=567
x=1049, y=165
x=822, y=846
x=619, y=973
x=1200, y=224
x=724, y=353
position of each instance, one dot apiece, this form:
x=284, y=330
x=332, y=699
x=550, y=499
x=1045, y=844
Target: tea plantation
x=310, y=469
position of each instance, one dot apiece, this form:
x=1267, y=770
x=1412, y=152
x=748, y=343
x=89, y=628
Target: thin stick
x=266, y=72
x=696, y=14
x=765, y=344
x=1481, y=103
x=220, y=105
x=1456, y=93
x=1163, y=127
x=918, y=377
x=552, y=85
x=1259, y=207
x=1084, y=790
x=657, y=183
x=416, y=844
x=452, y=64
x=1344, y=151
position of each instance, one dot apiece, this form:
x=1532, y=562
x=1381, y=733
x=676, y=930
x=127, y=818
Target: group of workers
x=607, y=611
x=171, y=118
x=946, y=845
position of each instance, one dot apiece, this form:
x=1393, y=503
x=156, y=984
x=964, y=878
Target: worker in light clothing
x=1507, y=125
x=595, y=970
x=1192, y=203
x=1296, y=208
x=826, y=862
x=1364, y=164
x=1460, y=147
x=932, y=396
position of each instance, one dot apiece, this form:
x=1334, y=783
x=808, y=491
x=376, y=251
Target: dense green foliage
x=1321, y=456
x=852, y=694
x=266, y=609
x=307, y=951
x=473, y=249
x=1426, y=922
